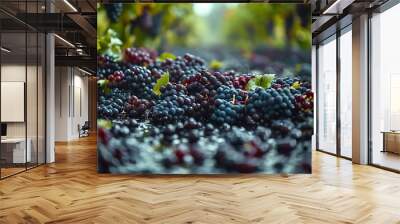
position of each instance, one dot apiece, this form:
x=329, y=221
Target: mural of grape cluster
x=172, y=114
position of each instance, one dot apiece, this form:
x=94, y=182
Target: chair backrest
x=86, y=125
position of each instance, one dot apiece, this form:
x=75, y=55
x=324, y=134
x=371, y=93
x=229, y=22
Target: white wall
x=71, y=94
x=62, y=81
x=80, y=101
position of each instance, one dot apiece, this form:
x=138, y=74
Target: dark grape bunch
x=139, y=56
x=138, y=108
x=115, y=78
x=113, y=11
x=227, y=112
x=241, y=81
x=236, y=96
x=107, y=65
x=139, y=81
x=265, y=105
x=205, y=82
x=181, y=67
x=111, y=106
x=174, y=106
x=200, y=120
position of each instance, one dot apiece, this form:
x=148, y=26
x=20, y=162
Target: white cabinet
x=16, y=147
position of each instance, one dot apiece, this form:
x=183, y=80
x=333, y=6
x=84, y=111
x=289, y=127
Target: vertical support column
x=360, y=90
x=50, y=99
x=338, y=92
x=316, y=97
x=314, y=88
x=92, y=99
x=50, y=92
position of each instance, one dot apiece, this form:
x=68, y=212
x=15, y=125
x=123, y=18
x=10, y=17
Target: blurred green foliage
x=275, y=25
x=163, y=26
x=151, y=25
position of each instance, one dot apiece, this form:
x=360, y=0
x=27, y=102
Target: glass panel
x=327, y=96
x=32, y=88
x=13, y=86
x=41, y=98
x=385, y=84
x=22, y=88
x=346, y=94
x=31, y=99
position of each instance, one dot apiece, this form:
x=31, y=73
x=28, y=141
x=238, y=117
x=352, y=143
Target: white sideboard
x=17, y=145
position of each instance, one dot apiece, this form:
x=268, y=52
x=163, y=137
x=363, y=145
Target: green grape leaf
x=103, y=86
x=162, y=81
x=166, y=55
x=251, y=84
x=296, y=85
x=260, y=81
x=109, y=44
x=107, y=124
x=216, y=65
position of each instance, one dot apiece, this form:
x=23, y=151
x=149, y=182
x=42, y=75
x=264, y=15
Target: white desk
x=17, y=146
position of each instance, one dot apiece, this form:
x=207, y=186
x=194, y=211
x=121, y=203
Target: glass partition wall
x=22, y=77
x=385, y=89
x=345, y=91
x=334, y=94
x=327, y=95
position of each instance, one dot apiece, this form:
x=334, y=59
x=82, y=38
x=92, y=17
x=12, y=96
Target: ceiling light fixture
x=65, y=41
x=337, y=7
x=333, y=6
x=5, y=50
x=84, y=71
x=70, y=5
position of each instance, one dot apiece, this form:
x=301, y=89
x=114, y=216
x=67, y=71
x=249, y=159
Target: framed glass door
x=334, y=94
x=345, y=108
x=384, y=113
x=22, y=78
x=13, y=147
x=326, y=96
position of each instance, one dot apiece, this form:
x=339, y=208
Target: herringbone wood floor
x=70, y=191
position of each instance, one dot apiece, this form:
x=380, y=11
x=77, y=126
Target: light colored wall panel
x=14, y=73
x=71, y=101
x=12, y=101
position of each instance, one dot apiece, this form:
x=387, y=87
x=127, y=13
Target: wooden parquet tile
x=70, y=191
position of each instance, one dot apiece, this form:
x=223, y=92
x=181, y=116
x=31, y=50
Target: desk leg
x=384, y=143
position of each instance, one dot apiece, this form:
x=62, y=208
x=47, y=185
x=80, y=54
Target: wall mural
x=204, y=88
